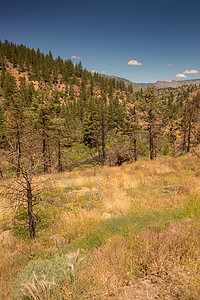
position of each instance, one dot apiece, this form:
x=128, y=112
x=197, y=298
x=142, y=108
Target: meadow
x=128, y=232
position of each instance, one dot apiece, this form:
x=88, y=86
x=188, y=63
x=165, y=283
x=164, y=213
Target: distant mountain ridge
x=158, y=84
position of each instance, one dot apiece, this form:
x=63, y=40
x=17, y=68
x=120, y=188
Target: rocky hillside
x=158, y=84
x=175, y=83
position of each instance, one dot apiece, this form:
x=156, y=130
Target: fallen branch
x=196, y=154
x=29, y=256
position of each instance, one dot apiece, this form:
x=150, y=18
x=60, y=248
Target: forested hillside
x=129, y=232
x=57, y=115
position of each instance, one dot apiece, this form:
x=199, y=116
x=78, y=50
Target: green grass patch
x=133, y=224
x=68, y=189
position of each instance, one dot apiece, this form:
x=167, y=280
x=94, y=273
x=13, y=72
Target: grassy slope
x=136, y=221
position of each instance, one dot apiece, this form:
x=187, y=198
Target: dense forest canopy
x=61, y=115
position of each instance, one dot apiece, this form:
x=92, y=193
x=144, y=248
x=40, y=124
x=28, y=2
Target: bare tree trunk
x=18, y=151
x=173, y=141
x=135, y=148
x=103, y=144
x=184, y=141
x=48, y=156
x=44, y=152
x=44, y=146
x=151, y=143
x=30, y=208
x=59, y=157
x=189, y=133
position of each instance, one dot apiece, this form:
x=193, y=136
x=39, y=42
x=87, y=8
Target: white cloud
x=180, y=76
x=104, y=72
x=191, y=72
x=134, y=62
x=76, y=57
x=94, y=71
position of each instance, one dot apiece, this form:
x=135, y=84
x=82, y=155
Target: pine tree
x=91, y=124
x=40, y=112
x=131, y=129
x=116, y=113
x=193, y=117
x=14, y=106
x=59, y=129
x=151, y=108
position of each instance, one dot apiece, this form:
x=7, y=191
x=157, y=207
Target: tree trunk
x=173, y=141
x=19, y=153
x=103, y=144
x=189, y=133
x=135, y=148
x=103, y=147
x=59, y=157
x=44, y=146
x=184, y=141
x=48, y=156
x=31, y=220
x=151, y=143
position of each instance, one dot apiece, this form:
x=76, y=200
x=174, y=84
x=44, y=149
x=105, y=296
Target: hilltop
x=158, y=84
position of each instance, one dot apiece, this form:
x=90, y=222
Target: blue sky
x=143, y=41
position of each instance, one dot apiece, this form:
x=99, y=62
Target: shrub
x=49, y=273
x=37, y=289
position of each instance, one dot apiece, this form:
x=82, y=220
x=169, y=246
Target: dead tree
x=24, y=192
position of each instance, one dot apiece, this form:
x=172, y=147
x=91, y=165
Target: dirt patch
x=153, y=287
x=6, y=237
x=143, y=289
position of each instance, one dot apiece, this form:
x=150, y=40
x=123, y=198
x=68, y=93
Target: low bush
x=48, y=272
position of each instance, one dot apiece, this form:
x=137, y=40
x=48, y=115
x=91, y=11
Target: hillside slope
x=157, y=84
x=72, y=116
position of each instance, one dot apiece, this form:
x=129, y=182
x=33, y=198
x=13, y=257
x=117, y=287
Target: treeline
x=44, y=67
x=95, y=116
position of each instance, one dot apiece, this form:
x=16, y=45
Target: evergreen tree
x=59, y=129
x=131, y=129
x=116, y=113
x=13, y=127
x=91, y=124
x=41, y=112
x=151, y=108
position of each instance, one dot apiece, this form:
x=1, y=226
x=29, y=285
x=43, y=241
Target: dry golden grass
x=165, y=260
x=101, y=193
x=11, y=261
x=79, y=224
x=116, y=202
x=137, y=187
